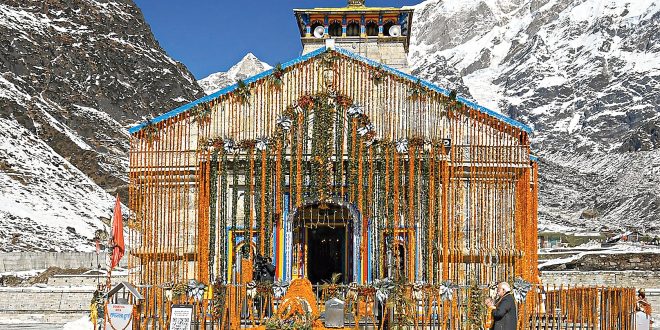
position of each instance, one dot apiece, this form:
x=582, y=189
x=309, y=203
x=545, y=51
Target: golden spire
x=356, y=3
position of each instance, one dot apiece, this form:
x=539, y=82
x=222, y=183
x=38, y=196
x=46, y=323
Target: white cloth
x=643, y=321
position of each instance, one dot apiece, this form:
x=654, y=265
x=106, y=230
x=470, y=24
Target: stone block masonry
x=45, y=300
x=21, y=261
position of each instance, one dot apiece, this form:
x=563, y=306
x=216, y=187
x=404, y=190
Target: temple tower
x=381, y=34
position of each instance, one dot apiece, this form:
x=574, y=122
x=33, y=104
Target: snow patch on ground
x=82, y=323
x=621, y=248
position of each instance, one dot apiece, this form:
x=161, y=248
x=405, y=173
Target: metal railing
x=545, y=307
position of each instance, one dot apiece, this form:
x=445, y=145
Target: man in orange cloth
x=644, y=310
x=503, y=311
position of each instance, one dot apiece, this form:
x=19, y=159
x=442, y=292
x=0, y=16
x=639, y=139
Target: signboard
x=181, y=317
x=119, y=316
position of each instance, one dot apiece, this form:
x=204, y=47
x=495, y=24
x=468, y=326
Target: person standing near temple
x=504, y=312
x=643, y=312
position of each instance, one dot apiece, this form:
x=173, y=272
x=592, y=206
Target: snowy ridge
x=584, y=74
x=73, y=77
x=248, y=66
x=45, y=202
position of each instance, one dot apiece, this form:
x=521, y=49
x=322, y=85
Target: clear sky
x=212, y=35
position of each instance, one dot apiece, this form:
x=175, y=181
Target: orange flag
x=117, y=235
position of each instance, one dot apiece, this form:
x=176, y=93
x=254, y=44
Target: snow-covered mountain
x=247, y=67
x=74, y=75
x=584, y=74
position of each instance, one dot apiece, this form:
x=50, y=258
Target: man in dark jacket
x=504, y=310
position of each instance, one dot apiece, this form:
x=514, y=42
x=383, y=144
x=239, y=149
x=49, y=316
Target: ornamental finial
x=356, y=3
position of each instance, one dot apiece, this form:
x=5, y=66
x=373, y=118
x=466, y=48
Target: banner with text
x=119, y=317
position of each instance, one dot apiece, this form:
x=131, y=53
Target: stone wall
x=83, y=280
x=637, y=279
x=32, y=299
x=610, y=262
x=49, y=304
x=19, y=261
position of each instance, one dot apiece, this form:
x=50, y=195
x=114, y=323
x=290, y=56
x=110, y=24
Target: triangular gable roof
x=127, y=286
x=344, y=52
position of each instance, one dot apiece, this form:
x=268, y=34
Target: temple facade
x=336, y=162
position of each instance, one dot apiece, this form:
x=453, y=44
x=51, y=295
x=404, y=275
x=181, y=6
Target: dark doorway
x=326, y=252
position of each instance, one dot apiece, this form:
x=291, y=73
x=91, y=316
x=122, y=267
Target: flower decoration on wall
x=417, y=91
x=279, y=289
x=230, y=146
x=251, y=291
x=243, y=92
x=276, y=77
x=447, y=290
x=401, y=145
x=417, y=291
x=362, y=131
x=150, y=130
x=520, y=289
x=284, y=123
x=247, y=144
x=343, y=101
x=196, y=289
x=355, y=110
x=201, y=114
x=383, y=289
x=262, y=143
x=329, y=58
x=378, y=75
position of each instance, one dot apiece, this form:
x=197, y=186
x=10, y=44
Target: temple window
x=335, y=29
x=386, y=28
x=353, y=29
x=315, y=25
x=372, y=29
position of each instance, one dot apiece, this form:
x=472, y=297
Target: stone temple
x=338, y=162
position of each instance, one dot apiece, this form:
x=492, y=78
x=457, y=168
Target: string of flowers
x=243, y=92
x=150, y=131
x=269, y=197
x=201, y=114
x=213, y=199
x=276, y=76
x=247, y=197
x=377, y=75
x=258, y=199
x=475, y=307
x=224, y=215
x=234, y=193
x=417, y=91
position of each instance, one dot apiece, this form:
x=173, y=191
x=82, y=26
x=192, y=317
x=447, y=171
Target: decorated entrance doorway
x=323, y=242
x=327, y=253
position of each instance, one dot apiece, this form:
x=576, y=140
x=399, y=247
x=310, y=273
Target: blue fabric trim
x=534, y=158
x=223, y=91
x=345, y=52
x=437, y=89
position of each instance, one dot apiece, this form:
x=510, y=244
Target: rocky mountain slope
x=74, y=74
x=584, y=74
x=247, y=67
